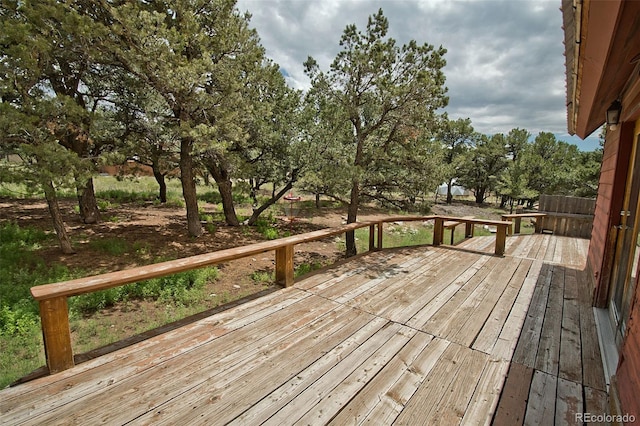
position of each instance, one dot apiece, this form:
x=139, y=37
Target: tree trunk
x=162, y=195
x=221, y=176
x=256, y=212
x=352, y=214
x=89, y=211
x=225, y=189
x=449, y=194
x=189, y=188
x=317, y=200
x=503, y=201
x=480, y=196
x=56, y=216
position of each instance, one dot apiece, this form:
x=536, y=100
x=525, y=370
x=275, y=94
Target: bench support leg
x=54, y=315
x=284, y=266
x=468, y=230
x=380, y=235
x=501, y=239
x=516, y=225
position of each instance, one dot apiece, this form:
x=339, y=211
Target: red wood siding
x=628, y=374
x=613, y=174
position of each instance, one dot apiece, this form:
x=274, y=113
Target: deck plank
x=224, y=393
x=406, y=336
x=548, y=357
x=162, y=383
x=492, y=328
x=393, y=402
x=487, y=393
x=527, y=347
x=541, y=405
x=469, y=318
x=570, y=365
x=436, y=384
x=569, y=402
x=505, y=346
x=442, y=322
x=466, y=282
x=55, y=391
x=339, y=396
x=453, y=405
x=423, y=288
x=349, y=290
x=321, y=388
x=512, y=406
x=596, y=401
x=377, y=300
x=380, y=387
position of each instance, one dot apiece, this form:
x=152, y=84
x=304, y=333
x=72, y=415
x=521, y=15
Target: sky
x=505, y=58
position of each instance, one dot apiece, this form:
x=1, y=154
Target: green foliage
x=263, y=276
x=376, y=103
x=456, y=137
x=184, y=288
x=483, y=164
x=21, y=269
x=305, y=268
x=112, y=246
x=124, y=196
x=264, y=225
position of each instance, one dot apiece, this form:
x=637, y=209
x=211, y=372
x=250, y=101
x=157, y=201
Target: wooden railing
x=52, y=298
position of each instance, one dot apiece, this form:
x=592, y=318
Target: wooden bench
x=517, y=218
x=452, y=224
x=501, y=230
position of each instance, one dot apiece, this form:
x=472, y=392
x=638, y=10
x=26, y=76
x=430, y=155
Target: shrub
x=264, y=226
x=184, y=288
x=113, y=246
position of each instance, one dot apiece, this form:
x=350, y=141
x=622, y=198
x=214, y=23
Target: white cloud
x=505, y=63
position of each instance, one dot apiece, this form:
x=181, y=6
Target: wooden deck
x=409, y=336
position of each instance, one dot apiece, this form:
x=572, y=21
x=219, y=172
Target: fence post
x=380, y=224
x=284, y=265
x=54, y=316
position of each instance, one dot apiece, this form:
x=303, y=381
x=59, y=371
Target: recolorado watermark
x=605, y=418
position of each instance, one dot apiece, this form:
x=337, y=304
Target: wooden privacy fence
x=52, y=298
x=569, y=216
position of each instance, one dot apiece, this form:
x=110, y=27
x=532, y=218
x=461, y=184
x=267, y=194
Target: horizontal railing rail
x=52, y=298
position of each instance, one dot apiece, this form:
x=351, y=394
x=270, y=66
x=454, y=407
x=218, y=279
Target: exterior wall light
x=613, y=115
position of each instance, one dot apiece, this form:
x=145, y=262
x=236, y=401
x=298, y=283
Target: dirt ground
x=153, y=232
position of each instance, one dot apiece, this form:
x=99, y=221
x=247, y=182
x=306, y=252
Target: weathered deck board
x=548, y=357
x=541, y=405
x=405, y=336
x=513, y=404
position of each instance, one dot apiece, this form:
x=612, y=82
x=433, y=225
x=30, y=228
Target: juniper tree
x=387, y=94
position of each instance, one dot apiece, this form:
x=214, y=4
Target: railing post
x=538, y=225
x=468, y=230
x=284, y=265
x=438, y=230
x=372, y=237
x=380, y=235
x=501, y=239
x=54, y=316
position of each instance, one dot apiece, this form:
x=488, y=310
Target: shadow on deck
x=407, y=336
